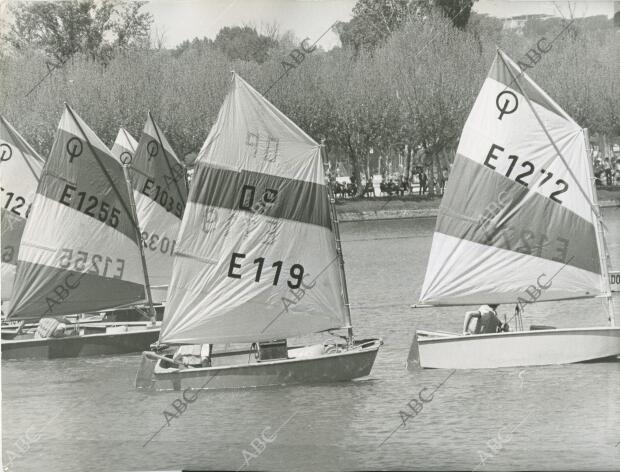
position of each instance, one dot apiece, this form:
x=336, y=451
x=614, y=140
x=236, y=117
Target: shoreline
x=393, y=208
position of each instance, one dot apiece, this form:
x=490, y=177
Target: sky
x=179, y=20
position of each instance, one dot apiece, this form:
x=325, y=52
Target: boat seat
x=189, y=354
x=194, y=355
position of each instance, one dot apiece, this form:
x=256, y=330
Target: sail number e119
x=296, y=271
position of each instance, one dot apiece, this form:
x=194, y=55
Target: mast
x=594, y=205
x=131, y=212
x=134, y=217
x=343, y=278
x=600, y=234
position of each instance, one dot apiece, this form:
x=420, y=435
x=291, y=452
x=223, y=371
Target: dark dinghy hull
x=342, y=366
x=80, y=346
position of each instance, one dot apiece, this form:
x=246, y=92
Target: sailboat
x=124, y=147
x=257, y=261
x=519, y=223
x=80, y=252
x=160, y=192
x=21, y=169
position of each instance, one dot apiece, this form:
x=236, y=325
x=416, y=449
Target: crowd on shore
x=421, y=182
x=607, y=171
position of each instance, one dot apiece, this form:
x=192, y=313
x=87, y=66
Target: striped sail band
x=502, y=213
x=12, y=229
x=270, y=195
x=65, y=292
x=81, y=186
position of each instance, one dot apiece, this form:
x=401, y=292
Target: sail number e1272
x=18, y=203
x=526, y=168
x=296, y=271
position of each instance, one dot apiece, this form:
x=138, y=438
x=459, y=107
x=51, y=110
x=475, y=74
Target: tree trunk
x=408, y=167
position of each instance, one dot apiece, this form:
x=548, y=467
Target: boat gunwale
x=556, y=331
x=81, y=336
x=376, y=344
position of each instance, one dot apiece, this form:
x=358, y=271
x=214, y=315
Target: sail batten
x=256, y=252
x=517, y=206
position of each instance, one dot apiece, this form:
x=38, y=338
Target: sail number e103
x=296, y=271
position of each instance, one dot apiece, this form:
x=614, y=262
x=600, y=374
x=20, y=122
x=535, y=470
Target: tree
x=244, y=43
x=62, y=29
x=195, y=44
x=457, y=10
x=374, y=21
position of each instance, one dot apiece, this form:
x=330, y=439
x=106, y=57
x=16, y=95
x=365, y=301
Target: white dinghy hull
x=514, y=349
x=307, y=369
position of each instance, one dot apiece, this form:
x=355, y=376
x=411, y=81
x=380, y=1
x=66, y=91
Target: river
x=84, y=414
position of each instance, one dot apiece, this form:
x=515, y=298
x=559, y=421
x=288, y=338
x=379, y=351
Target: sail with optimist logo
x=21, y=169
x=79, y=250
x=160, y=193
x=256, y=257
x=518, y=219
x=124, y=146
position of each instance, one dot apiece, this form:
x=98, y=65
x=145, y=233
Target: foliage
x=374, y=21
x=244, y=43
x=410, y=94
x=63, y=29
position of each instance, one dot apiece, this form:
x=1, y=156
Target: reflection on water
x=84, y=413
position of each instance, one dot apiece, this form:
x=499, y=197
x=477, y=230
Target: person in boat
x=484, y=320
x=50, y=328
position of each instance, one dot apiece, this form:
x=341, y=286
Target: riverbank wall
x=404, y=209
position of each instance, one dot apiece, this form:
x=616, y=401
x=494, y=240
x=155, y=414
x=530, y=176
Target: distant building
x=517, y=23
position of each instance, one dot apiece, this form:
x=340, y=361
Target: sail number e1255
x=90, y=205
x=296, y=271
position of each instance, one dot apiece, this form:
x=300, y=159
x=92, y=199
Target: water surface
x=83, y=414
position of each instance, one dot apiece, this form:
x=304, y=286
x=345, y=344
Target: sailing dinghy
x=124, y=147
x=21, y=169
x=257, y=261
x=160, y=192
x=519, y=223
x=79, y=252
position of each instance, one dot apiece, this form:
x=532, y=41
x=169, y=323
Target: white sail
x=79, y=250
x=160, y=193
x=20, y=167
x=517, y=220
x=124, y=147
x=256, y=257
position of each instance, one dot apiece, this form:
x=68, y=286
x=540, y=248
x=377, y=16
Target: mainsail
x=79, y=251
x=21, y=169
x=124, y=147
x=160, y=192
x=256, y=257
x=517, y=220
